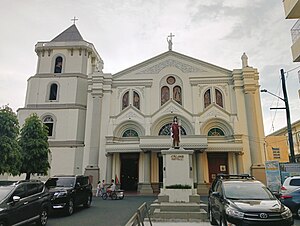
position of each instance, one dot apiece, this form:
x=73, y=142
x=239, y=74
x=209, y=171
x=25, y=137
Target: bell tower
x=58, y=94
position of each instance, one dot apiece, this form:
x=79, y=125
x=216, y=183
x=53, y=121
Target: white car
x=290, y=183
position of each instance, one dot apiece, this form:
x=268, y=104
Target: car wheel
x=43, y=218
x=298, y=213
x=88, y=202
x=211, y=218
x=70, y=207
x=114, y=196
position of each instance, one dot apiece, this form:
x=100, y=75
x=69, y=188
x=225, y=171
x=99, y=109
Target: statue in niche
x=165, y=94
x=207, y=98
x=136, y=100
x=177, y=94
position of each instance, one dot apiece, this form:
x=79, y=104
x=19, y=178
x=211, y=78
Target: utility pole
x=288, y=117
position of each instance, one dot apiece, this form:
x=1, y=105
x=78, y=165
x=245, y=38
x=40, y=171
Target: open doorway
x=129, y=171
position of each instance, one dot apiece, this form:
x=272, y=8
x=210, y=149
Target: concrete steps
x=180, y=211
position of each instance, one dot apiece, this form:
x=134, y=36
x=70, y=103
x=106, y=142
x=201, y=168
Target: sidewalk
x=155, y=223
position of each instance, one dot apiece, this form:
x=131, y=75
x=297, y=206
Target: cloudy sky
x=127, y=32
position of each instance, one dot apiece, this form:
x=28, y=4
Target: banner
x=273, y=175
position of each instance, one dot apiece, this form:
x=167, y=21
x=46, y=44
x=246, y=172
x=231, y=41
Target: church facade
x=116, y=125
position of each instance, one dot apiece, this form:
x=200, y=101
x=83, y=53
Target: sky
x=127, y=32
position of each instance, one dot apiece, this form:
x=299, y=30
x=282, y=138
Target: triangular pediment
x=214, y=110
x=173, y=60
x=130, y=113
x=171, y=107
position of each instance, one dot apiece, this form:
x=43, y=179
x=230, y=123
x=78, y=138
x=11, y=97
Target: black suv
x=68, y=192
x=242, y=200
x=23, y=202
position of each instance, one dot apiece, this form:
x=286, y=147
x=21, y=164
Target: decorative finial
x=244, y=60
x=74, y=20
x=169, y=40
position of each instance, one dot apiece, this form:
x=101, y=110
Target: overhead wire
x=274, y=116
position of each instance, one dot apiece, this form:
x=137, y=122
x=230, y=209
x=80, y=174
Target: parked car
x=292, y=200
x=23, y=202
x=290, y=183
x=242, y=200
x=68, y=192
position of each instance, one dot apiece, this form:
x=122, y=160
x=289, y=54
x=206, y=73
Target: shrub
x=179, y=186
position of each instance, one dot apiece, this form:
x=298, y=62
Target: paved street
x=102, y=212
x=113, y=213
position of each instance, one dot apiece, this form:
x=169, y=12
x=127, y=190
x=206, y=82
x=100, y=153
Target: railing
x=139, y=216
x=295, y=31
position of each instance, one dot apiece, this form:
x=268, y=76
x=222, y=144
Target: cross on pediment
x=74, y=20
x=169, y=40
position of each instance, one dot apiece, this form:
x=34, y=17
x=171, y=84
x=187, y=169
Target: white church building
x=116, y=125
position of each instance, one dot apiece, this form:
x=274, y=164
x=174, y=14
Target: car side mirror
x=77, y=185
x=16, y=198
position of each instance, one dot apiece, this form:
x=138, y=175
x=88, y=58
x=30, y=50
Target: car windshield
x=247, y=191
x=4, y=191
x=61, y=182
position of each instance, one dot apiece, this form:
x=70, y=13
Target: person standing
x=98, y=189
x=102, y=187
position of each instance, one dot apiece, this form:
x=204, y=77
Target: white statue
x=244, y=60
x=99, y=66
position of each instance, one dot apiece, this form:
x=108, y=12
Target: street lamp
x=288, y=117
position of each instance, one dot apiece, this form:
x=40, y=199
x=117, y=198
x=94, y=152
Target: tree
x=10, y=156
x=34, y=147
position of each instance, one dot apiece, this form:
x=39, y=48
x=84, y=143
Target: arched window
x=166, y=130
x=215, y=132
x=53, y=92
x=49, y=123
x=130, y=133
x=165, y=95
x=58, y=64
x=125, y=100
x=207, y=100
x=136, y=100
x=177, y=94
x=219, y=98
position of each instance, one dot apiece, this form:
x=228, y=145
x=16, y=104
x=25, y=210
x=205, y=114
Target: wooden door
x=217, y=163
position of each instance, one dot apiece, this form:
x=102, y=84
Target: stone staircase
x=165, y=211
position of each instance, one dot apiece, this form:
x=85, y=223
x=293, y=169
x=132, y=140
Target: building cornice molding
x=69, y=143
x=54, y=106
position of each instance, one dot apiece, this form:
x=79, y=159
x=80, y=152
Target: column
x=145, y=187
x=109, y=160
x=92, y=135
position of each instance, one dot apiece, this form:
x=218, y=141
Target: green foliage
x=10, y=156
x=34, y=147
x=179, y=186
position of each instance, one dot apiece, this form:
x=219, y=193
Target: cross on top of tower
x=74, y=20
x=169, y=40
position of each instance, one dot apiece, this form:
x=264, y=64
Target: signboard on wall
x=289, y=169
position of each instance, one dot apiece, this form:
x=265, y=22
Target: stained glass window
x=215, y=132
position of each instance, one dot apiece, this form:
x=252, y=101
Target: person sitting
x=111, y=187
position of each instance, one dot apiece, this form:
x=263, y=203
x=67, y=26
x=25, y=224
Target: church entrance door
x=217, y=163
x=129, y=171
